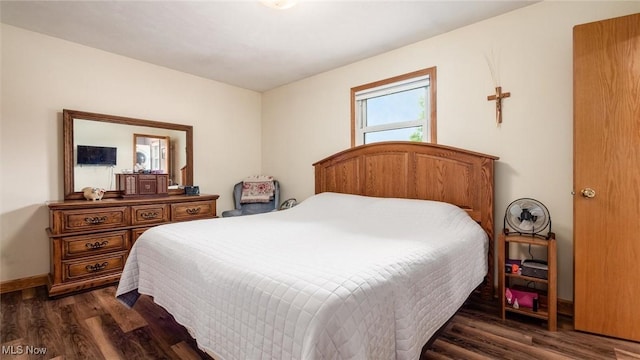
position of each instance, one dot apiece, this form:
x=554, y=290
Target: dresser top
x=112, y=202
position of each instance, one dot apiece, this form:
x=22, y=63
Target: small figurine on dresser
x=91, y=193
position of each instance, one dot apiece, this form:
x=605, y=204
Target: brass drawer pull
x=97, y=267
x=149, y=215
x=95, y=220
x=193, y=211
x=96, y=245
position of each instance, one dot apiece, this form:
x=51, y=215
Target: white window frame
x=417, y=79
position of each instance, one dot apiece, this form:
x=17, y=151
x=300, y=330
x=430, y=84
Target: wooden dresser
x=90, y=240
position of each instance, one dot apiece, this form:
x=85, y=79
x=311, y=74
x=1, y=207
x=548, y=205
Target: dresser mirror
x=98, y=146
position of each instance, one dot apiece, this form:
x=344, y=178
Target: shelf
x=527, y=240
x=540, y=314
x=548, y=306
x=527, y=278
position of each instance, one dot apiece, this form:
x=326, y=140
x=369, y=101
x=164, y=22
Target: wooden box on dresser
x=90, y=240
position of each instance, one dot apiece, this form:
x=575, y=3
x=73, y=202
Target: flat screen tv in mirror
x=96, y=155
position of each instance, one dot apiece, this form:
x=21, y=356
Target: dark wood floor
x=93, y=325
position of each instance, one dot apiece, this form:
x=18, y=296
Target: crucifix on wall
x=499, y=95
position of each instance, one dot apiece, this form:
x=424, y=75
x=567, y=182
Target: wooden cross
x=498, y=98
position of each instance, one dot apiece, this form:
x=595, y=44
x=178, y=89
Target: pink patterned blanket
x=257, y=189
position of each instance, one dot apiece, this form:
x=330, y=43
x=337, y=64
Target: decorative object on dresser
x=92, y=193
x=90, y=241
x=141, y=184
x=192, y=190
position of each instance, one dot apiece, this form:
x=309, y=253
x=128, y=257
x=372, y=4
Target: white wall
x=42, y=75
x=302, y=122
x=308, y=120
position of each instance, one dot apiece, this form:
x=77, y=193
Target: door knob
x=588, y=193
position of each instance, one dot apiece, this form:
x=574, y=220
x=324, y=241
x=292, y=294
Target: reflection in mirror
x=153, y=153
x=118, y=136
x=167, y=148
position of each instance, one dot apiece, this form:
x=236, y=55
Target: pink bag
x=525, y=298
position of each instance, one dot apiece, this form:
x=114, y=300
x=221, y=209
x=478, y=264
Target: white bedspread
x=336, y=277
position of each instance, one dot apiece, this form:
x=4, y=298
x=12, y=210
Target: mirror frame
x=67, y=135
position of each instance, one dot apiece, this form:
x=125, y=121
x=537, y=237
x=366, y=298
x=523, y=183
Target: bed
x=394, y=241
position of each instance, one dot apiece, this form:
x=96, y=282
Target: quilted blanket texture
x=258, y=188
x=337, y=277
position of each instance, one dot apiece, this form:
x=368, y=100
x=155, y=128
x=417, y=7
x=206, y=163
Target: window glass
x=396, y=107
x=406, y=134
x=400, y=108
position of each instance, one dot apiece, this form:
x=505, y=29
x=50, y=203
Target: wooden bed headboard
x=416, y=170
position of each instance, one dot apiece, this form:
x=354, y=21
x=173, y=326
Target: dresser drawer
x=83, y=220
x=93, y=267
x=193, y=210
x=150, y=214
x=135, y=233
x=94, y=244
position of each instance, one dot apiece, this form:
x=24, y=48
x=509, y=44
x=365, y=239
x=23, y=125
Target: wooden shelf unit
x=547, y=310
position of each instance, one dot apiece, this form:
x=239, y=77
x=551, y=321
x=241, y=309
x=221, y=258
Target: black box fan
x=527, y=217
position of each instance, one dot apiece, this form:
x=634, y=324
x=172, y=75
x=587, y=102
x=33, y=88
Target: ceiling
x=244, y=43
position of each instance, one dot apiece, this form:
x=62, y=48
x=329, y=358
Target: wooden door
x=607, y=160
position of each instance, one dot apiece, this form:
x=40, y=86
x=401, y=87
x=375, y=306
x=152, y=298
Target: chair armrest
x=229, y=213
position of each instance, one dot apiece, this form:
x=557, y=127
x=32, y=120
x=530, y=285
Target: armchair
x=252, y=208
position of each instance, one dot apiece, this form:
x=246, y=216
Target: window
x=399, y=108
